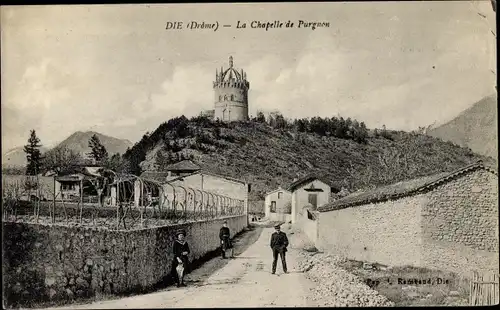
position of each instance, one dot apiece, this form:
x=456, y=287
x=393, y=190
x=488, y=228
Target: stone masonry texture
x=50, y=262
x=460, y=223
x=388, y=233
x=452, y=227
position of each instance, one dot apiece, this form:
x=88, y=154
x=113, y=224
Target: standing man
x=279, y=243
x=225, y=239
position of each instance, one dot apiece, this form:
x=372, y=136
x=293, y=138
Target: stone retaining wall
x=460, y=224
x=388, y=233
x=49, y=262
x=453, y=227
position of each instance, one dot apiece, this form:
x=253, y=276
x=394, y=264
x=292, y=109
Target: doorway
x=313, y=200
x=273, y=207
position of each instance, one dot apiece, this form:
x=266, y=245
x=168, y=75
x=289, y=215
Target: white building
x=278, y=205
x=189, y=175
x=308, y=191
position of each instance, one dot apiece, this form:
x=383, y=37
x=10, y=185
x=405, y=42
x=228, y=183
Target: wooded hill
x=270, y=153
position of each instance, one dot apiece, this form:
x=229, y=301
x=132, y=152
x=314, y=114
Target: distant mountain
x=16, y=157
x=475, y=128
x=79, y=142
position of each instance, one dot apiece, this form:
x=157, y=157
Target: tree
x=280, y=121
x=133, y=158
x=61, y=159
x=176, y=146
x=363, y=132
x=97, y=151
x=115, y=163
x=181, y=127
x=162, y=161
x=385, y=133
x=301, y=124
x=33, y=154
x=272, y=121
x=216, y=132
x=341, y=130
x=260, y=117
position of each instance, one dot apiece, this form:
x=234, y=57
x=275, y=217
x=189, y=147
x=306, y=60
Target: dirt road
x=245, y=281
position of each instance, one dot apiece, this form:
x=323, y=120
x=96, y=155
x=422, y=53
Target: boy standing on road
x=279, y=243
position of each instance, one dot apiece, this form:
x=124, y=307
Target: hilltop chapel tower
x=231, y=94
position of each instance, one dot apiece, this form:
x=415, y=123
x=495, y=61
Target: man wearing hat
x=224, y=236
x=181, y=260
x=279, y=243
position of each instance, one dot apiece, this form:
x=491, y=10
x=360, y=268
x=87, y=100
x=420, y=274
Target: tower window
x=225, y=97
x=232, y=97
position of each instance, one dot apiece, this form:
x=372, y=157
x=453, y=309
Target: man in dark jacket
x=224, y=236
x=180, y=262
x=279, y=243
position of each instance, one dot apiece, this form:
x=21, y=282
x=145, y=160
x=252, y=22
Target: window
x=313, y=200
x=280, y=195
x=232, y=97
x=273, y=206
x=220, y=97
x=68, y=187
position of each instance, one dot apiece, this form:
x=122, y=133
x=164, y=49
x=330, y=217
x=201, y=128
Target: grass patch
x=413, y=286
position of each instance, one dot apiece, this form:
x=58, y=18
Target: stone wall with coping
x=50, y=262
x=387, y=233
x=453, y=227
x=460, y=224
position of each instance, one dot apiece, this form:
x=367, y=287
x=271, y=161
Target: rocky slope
x=267, y=157
x=475, y=128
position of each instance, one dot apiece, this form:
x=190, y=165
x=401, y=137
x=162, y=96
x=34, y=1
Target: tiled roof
x=401, y=189
x=294, y=185
x=71, y=177
x=162, y=176
x=278, y=189
x=93, y=170
x=155, y=176
x=185, y=165
x=223, y=177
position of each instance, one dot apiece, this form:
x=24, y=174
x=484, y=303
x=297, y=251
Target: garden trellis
x=165, y=201
x=123, y=201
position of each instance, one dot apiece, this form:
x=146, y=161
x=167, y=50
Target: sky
x=116, y=70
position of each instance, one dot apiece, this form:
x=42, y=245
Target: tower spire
x=230, y=61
